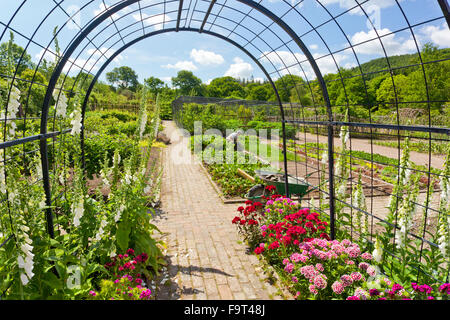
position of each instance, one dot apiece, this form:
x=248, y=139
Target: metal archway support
x=86, y=31
x=116, y=53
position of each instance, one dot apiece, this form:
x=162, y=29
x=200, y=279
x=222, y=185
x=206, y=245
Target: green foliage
x=124, y=77
x=185, y=81
x=224, y=87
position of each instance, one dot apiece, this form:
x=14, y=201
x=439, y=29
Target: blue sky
x=209, y=57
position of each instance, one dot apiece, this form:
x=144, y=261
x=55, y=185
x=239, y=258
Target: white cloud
x=46, y=55
x=239, y=69
x=438, y=36
x=393, y=44
x=206, y=58
x=287, y=62
x=314, y=47
x=157, y=21
x=347, y=4
x=181, y=65
x=167, y=80
x=102, y=8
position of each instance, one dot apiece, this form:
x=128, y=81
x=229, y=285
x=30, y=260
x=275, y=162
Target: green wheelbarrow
x=297, y=186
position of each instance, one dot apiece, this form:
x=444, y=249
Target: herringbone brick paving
x=208, y=261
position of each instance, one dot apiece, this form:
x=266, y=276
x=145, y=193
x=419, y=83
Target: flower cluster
x=295, y=228
x=27, y=263
x=248, y=221
x=322, y=269
x=123, y=288
x=61, y=103
x=277, y=207
x=76, y=122
x=128, y=278
x=13, y=109
x=426, y=292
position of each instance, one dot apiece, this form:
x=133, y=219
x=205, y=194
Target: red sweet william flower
x=240, y=209
x=248, y=202
x=259, y=250
x=236, y=220
x=324, y=236
x=274, y=245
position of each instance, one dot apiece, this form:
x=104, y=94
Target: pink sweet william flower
x=353, y=251
x=285, y=261
x=367, y=256
x=346, y=242
x=338, y=249
x=320, y=282
x=313, y=289
x=289, y=267
x=337, y=287
x=352, y=298
x=356, y=276
x=92, y=293
x=349, y=262
x=445, y=288
x=308, y=271
x=319, y=267
x=294, y=279
x=363, y=265
x=295, y=257
x=145, y=294
x=346, y=280
x=304, y=258
x=371, y=271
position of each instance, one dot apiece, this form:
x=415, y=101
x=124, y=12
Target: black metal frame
x=217, y=20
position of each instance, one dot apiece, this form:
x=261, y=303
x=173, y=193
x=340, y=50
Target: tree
x=124, y=77
x=284, y=85
x=186, y=82
x=256, y=91
x=15, y=52
x=154, y=85
x=225, y=87
x=36, y=90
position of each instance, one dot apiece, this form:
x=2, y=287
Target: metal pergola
x=275, y=35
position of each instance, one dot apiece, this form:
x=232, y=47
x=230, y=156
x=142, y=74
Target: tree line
x=406, y=81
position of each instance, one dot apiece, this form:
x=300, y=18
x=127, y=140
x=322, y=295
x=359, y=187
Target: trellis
x=260, y=29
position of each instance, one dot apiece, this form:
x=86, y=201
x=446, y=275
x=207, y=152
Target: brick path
x=208, y=261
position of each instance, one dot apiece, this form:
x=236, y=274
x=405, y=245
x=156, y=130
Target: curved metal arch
x=87, y=30
x=211, y=33
x=112, y=10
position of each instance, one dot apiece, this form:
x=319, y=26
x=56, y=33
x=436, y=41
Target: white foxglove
x=77, y=211
x=378, y=251
x=75, y=122
x=61, y=103
x=119, y=212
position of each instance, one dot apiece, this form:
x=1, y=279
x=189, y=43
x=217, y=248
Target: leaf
x=123, y=235
x=52, y=281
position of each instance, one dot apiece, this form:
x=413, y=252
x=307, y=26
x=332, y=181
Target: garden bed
x=294, y=241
